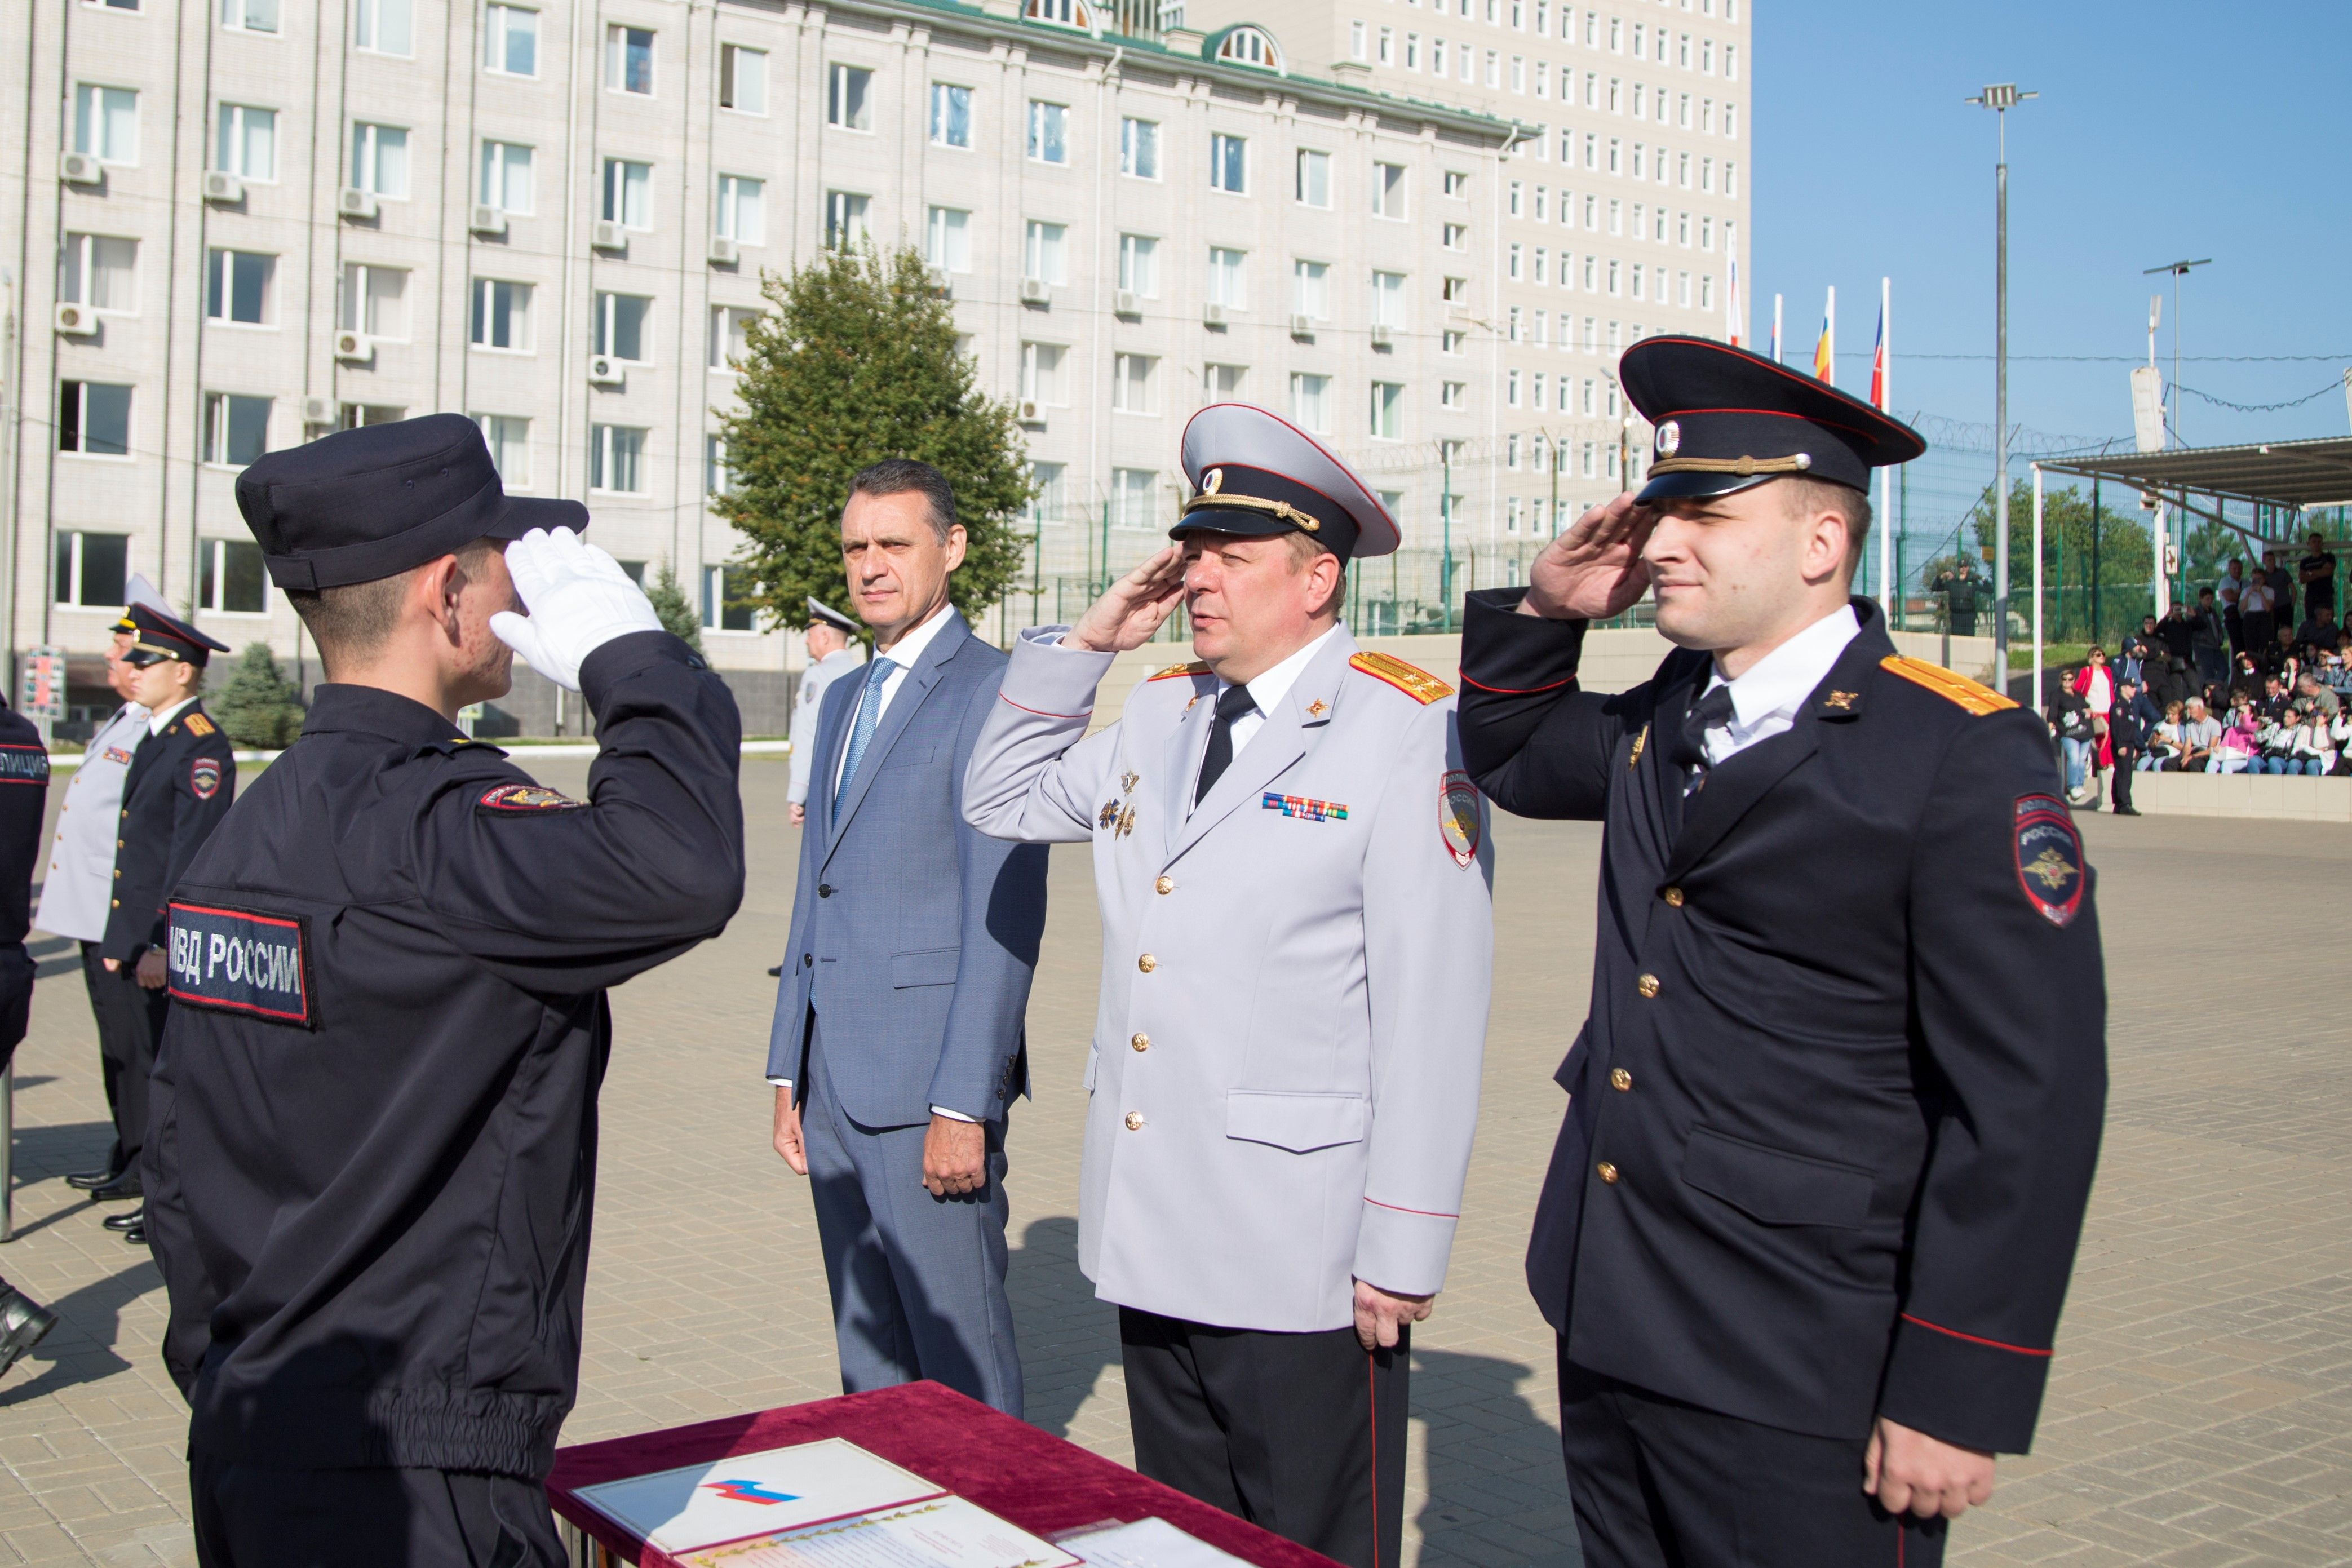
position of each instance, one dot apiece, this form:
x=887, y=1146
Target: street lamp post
x=2000, y=98
x=2179, y=269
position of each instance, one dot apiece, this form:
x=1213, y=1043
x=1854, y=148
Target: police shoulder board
x=1410, y=679
x=1197, y=666
x=1977, y=700
x=254, y=963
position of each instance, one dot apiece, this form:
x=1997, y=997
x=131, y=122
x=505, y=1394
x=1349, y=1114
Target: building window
x=379, y=160
x=742, y=80
x=1134, y=495
x=237, y=286
x=730, y=327
x=1388, y=190
x=629, y=59
x=1456, y=291
x=742, y=209
x=1222, y=383
x=245, y=144
x=93, y=569
x=1310, y=291
x=98, y=271
x=849, y=98
x=375, y=301
x=106, y=123
x=1066, y=12
x=1388, y=47
x=1041, y=253
x=624, y=327
x=1046, y=487
x=1310, y=398
x=1228, y=278
x=1454, y=343
x=1388, y=300
x=1250, y=46
x=381, y=27
x=1453, y=394
x=951, y=115
x=947, y=239
x=616, y=456
x=230, y=578
x=1515, y=262
x=508, y=436
x=249, y=15
x=727, y=600
x=501, y=315
x=844, y=219
x=1134, y=384
x=628, y=192
x=1139, y=148
x=511, y=40
x=237, y=428
x=1707, y=292
x=1455, y=236
x=1387, y=411
x=506, y=177
x=1314, y=178
x=1139, y=266
x=1229, y=162
x=1412, y=51
x=94, y=419
x=718, y=474
x=1357, y=44
x=1041, y=375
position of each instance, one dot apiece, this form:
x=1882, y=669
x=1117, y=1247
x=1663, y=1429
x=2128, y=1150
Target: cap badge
x=1670, y=437
x=1212, y=481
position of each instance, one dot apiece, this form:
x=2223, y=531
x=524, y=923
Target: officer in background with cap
x=373, y=1155
x=78, y=890
x=1832, y=1119
x=177, y=790
x=833, y=651
x=1298, y=947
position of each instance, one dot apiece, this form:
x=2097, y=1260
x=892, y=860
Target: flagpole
x=1776, y=329
x=1887, y=587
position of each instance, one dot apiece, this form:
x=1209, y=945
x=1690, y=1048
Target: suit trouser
x=1303, y=1435
x=1658, y=1483
x=130, y=1025
x=252, y=1516
x=917, y=1282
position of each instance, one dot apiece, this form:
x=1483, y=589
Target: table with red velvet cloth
x=1009, y=1468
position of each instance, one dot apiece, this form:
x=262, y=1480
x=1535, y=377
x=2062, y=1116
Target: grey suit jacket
x=1285, y=1073
x=913, y=934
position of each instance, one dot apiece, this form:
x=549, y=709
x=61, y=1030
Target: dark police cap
x=365, y=504
x=156, y=635
x=1726, y=419
x=1257, y=474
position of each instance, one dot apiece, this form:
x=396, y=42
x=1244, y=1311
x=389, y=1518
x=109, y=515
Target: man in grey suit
x=896, y=1048
x=1298, y=947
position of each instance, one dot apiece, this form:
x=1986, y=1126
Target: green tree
x=677, y=612
x=2120, y=546
x=857, y=360
x=258, y=706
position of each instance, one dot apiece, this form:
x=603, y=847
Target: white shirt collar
x=908, y=649
x=164, y=716
x=1782, y=679
x=1269, y=688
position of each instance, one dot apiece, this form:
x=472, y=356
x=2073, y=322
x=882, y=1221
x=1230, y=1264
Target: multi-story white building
x=239, y=223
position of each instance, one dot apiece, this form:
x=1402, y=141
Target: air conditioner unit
x=1129, y=304
x=609, y=237
x=724, y=252
x=1302, y=326
x=353, y=202
x=1034, y=291
x=354, y=348
x=318, y=411
x=221, y=187
x=1213, y=314
x=937, y=278
x=80, y=169
x=603, y=370
x=1029, y=412
x=76, y=321
x=1383, y=335
x=486, y=219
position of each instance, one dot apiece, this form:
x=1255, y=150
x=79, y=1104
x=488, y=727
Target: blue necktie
x=861, y=731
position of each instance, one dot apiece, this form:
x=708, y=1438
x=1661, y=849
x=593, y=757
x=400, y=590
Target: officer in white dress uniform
x=833, y=651
x=1297, y=944
x=77, y=892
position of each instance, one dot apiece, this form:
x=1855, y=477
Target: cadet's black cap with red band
x=155, y=635
x=365, y=504
x=1725, y=419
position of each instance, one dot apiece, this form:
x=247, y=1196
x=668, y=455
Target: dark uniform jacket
x=180, y=785
x=23, y=798
x=375, y=1136
x=1833, y=1115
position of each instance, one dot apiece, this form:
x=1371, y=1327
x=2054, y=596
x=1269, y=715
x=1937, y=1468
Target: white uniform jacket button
x=1135, y=1121
x=1147, y=963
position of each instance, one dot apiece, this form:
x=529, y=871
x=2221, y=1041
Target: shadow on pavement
x=91, y=1318
x=1067, y=1337
x=43, y=1152
x=1483, y=1433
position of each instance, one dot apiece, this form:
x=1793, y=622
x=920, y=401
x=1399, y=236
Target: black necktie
x=1712, y=711
x=1231, y=703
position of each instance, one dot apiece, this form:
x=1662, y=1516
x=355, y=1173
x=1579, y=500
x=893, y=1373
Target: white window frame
x=604, y=323
x=613, y=191
x=732, y=60
x=356, y=301
x=95, y=121
x=603, y=460
x=481, y=295
x=216, y=433
x=223, y=259
x=501, y=196
x=81, y=420
x=78, y=259
x=231, y=151
x=619, y=38
x=1306, y=386
x=500, y=28
x=496, y=435
x=941, y=104
x=371, y=141
x=725, y=321
x=844, y=109
x=1228, y=149
x=1138, y=143
x=733, y=194
x=212, y=576
x=368, y=27
x=1047, y=132
x=1135, y=385
x=1313, y=169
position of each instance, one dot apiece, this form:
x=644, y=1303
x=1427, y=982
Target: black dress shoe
x=90, y=1181
x=136, y=1235
x=23, y=1321
x=775, y=971
x=131, y=1221
x=125, y=1186
x=2122, y=811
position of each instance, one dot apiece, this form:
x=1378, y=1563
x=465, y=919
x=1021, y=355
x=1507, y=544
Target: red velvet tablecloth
x=1011, y=1469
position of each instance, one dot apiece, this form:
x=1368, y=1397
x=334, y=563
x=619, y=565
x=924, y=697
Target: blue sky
x=2163, y=131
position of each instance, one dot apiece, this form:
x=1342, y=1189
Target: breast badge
x=1458, y=817
x=2049, y=858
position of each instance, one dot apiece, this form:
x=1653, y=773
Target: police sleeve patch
x=2049, y=858
x=204, y=777
x=23, y=766
x=242, y=961
x=1457, y=816
x=523, y=799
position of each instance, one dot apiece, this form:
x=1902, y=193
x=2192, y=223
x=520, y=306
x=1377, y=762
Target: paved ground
x=2200, y=1410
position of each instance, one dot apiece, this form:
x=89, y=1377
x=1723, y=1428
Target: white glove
x=579, y=600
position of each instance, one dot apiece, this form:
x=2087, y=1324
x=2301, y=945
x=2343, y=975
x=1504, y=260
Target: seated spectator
x=2279, y=658
x=2163, y=754
x=2240, y=747
x=2339, y=737
x=2273, y=700
x=2199, y=733
x=2319, y=630
x=2313, y=753
x=2275, y=745
x=2309, y=687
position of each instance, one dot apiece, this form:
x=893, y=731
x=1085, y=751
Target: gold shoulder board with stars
x=199, y=725
x=1196, y=668
x=1977, y=700
x=1412, y=679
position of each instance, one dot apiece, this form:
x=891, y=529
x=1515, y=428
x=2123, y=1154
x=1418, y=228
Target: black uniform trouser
x=2119, y=784
x=1299, y=1434
x=1661, y=1484
x=130, y=1024
x=251, y=1516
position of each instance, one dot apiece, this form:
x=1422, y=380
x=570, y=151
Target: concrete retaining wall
x=2289, y=799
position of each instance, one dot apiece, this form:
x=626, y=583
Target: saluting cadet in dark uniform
x=24, y=796
x=374, y=1145
x=1834, y=1117
x=181, y=782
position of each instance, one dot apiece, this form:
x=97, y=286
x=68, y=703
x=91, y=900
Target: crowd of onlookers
x=2234, y=682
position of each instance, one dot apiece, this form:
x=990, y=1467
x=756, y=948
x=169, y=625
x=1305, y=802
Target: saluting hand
x=1133, y=609
x=1593, y=570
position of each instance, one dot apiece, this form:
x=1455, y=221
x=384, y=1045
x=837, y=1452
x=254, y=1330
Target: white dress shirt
x=1267, y=691
x=902, y=654
x=161, y=717
x=1767, y=696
